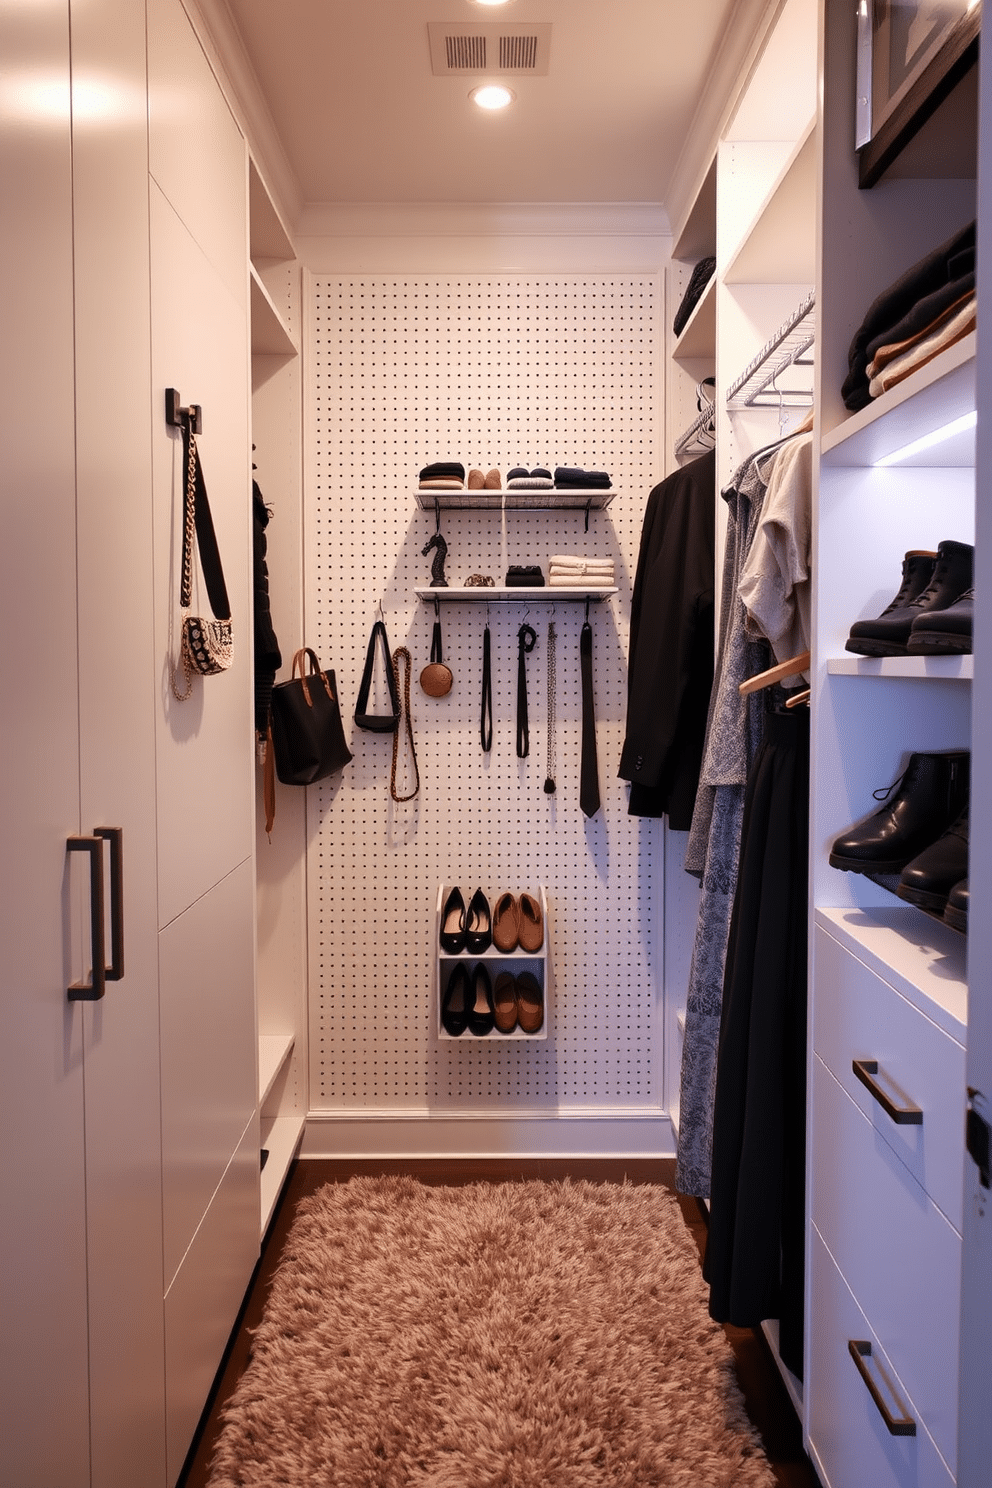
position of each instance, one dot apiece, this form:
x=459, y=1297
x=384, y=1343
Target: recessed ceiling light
x=490, y=2
x=492, y=96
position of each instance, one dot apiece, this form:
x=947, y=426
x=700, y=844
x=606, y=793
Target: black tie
x=589, y=773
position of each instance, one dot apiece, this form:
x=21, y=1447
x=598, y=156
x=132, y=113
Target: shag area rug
x=511, y=1335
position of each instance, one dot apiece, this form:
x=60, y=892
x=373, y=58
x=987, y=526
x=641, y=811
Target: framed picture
x=911, y=54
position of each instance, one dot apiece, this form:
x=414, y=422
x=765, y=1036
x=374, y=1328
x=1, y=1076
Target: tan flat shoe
x=505, y=1002
x=530, y=1003
x=531, y=934
x=493, y=481
x=476, y=480
x=506, y=923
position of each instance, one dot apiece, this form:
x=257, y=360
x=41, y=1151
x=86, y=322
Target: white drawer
x=858, y=1016
x=849, y=1440
x=899, y=1255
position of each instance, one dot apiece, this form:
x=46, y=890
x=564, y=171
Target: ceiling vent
x=490, y=48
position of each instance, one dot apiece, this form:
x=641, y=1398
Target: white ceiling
x=361, y=117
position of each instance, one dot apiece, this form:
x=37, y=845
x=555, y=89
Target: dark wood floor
x=767, y=1401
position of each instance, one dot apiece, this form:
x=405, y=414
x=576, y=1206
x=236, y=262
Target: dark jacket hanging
x=670, y=672
x=268, y=659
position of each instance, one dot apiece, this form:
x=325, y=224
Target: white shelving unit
x=515, y=500
x=496, y=961
x=550, y=593
x=281, y=873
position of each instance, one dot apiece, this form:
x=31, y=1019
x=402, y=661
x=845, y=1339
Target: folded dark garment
x=936, y=278
x=701, y=276
x=522, y=577
x=923, y=314
x=442, y=468
x=517, y=472
x=592, y=480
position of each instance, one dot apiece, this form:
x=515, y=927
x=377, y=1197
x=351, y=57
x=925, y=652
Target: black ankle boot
x=889, y=633
x=929, y=878
x=931, y=794
x=944, y=632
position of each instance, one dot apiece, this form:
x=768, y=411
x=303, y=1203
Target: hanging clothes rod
x=787, y=348
x=701, y=433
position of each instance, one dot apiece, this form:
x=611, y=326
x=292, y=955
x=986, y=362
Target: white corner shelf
x=536, y=962
x=697, y=339
x=923, y=959
x=267, y=233
x=273, y=1051
x=771, y=251
x=549, y=592
x=514, y=500
x=932, y=397
x=952, y=668
x=269, y=332
x=281, y=1139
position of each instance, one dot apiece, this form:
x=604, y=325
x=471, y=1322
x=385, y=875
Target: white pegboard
x=492, y=371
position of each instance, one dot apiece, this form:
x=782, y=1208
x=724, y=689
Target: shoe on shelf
x=928, y=880
x=530, y=1002
x=481, y=1009
x=492, y=481
x=455, y=1002
x=956, y=909
x=917, y=809
x=944, y=632
x=531, y=934
x=478, y=925
x=505, y=1002
x=476, y=480
x=452, y=935
x=506, y=923
x=888, y=635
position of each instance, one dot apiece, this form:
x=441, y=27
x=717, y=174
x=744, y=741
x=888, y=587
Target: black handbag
x=207, y=643
x=307, y=733
x=378, y=723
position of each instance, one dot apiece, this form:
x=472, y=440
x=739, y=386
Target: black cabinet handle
x=904, y=1425
x=94, y=989
x=907, y=1115
x=115, y=836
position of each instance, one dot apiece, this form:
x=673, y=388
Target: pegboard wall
x=494, y=371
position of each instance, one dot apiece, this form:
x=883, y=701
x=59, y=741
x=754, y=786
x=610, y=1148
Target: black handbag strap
x=379, y=723
x=197, y=518
x=527, y=637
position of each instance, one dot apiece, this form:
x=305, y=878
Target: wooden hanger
x=790, y=668
x=796, y=699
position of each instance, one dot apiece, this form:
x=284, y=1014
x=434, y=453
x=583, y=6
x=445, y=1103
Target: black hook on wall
x=175, y=414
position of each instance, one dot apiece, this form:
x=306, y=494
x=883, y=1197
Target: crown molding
x=483, y=219
x=743, y=37
x=219, y=36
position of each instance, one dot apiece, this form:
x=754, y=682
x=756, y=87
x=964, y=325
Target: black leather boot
x=929, y=878
x=889, y=633
x=944, y=632
x=930, y=795
x=956, y=909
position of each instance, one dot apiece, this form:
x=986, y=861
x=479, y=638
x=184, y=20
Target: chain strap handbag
x=206, y=644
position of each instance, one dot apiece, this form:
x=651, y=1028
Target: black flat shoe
x=482, y=1010
x=478, y=925
x=454, y=1003
x=453, y=923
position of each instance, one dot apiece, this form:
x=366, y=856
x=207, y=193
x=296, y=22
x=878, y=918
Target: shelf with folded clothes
x=549, y=499
x=554, y=593
x=531, y=964
x=698, y=336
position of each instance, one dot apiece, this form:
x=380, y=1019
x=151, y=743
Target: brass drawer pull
x=907, y=1115
x=904, y=1425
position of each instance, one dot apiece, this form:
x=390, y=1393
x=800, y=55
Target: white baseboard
x=413, y=1133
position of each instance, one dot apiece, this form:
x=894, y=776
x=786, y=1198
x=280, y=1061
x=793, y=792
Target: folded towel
x=529, y=483
x=571, y=559
x=442, y=483
x=579, y=581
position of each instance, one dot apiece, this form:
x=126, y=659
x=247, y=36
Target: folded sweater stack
x=927, y=309
x=443, y=475
x=572, y=478
x=567, y=571
x=537, y=479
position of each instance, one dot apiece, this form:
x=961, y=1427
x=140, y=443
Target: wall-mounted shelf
x=466, y=500
x=955, y=668
x=550, y=593
x=772, y=251
x=698, y=337
x=535, y=962
x=269, y=333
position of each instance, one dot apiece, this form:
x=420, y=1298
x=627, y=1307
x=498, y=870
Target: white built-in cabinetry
x=281, y=857
x=131, y=1218
x=889, y=988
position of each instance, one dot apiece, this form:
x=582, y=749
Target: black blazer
x=670, y=671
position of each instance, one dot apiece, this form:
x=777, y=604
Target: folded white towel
x=580, y=570
x=581, y=581
x=568, y=560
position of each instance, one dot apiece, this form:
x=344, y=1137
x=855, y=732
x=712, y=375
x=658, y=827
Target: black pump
x=452, y=935
x=478, y=925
